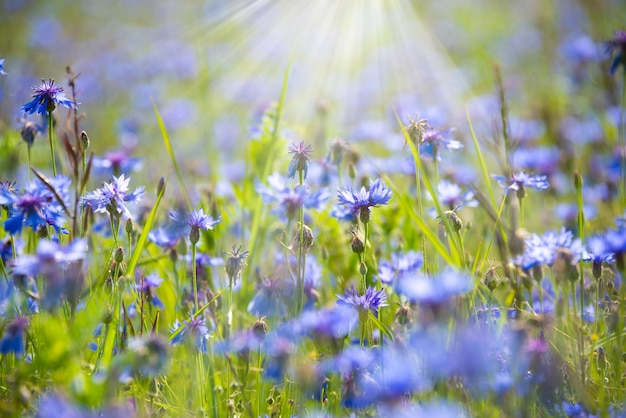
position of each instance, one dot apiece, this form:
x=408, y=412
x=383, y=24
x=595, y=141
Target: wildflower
x=111, y=197
x=543, y=249
x=46, y=98
x=434, y=140
x=334, y=322
x=190, y=224
x=617, y=46
x=235, y=263
x=372, y=299
x=2, y=67
x=402, y=264
x=13, y=339
x=116, y=162
x=196, y=327
x=300, y=157
x=452, y=196
x=60, y=266
x=416, y=129
x=270, y=298
x=434, y=290
x=147, y=285
x=289, y=201
x=360, y=202
x=518, y=182
x=37, y=206
x=598, y=252
x=28, y=133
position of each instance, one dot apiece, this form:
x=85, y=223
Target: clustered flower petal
x=300, y=157
x=112, y=197
x=359, y=202
x=289, y=201
x=46, y=98
x=543, y=249
x=372, y=299
x=519, y=182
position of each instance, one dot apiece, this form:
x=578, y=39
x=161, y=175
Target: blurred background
x=213, y=67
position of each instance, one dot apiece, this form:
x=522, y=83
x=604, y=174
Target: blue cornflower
x=163, y=237
x=196, y=327
x=334, y=322
x=146, y=285
x=37, y=206
x=342, y=213
x=434, y=140
x=372, y=299
x=300, y=157
x=519, y=182
x=401, y=265
x=60, y=266
x=270, y=299
x=189, y=224
x=46, y=98
x=13, y=339
x=2, y=67
x=452, y=196
x=617, y=45
x=598, y=252
x=436, y=290
x=112, y=197
x=544, y=249
x=289, y=201
x=360, y=202
x=116, y=162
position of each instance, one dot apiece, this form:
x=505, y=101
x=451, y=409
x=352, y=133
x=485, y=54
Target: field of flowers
x=275, y=209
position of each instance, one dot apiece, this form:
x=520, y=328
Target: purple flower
x=617, y=46
x=372, y=299
x=300, y=157
x=46, y=98
x=335, y=322
x=37, y=206
x=112, y=197
x=116, y=162
x=434, y=140
x=2, y=67
x=60, y=266
x=289, y=201
x=360, y=202
x=13, y=339
x=435, y=290
x=543, y=249
x=196, y=327
x=401, y=265
x=452, y=196
x=189, y=224
x=270, y=298
x=519, y=182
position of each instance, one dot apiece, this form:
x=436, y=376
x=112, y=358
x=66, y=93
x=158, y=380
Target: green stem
x=194, y=278
x=301, y=267
x=54, y=165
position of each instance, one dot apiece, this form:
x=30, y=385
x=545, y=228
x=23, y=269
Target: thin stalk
x=54, y=165
x=194, y=278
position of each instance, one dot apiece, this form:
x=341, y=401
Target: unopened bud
x=84, y=139
x=129, y=226
x=455, y=222
x=357, y=245
x=119, y=255
x=362, y=269
x=28, y=133
x=259, y=329
x=194, y=235
x=161, y=186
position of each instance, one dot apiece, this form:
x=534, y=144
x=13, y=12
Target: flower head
x=300, y=157
x=372, y=299
x=113, y=196
x=190, y=224
x=360, y=202
x=519, y=182
x=36, y=206
x=116, y=162
x=13, y=339
x=435, y=290
x=402, y=264
x=270, y=298
x=146, y=285
x=544, y=249
x=196, y=327
x=289, y=201
x=617, y=46
x=2, y=67
x=46, y=98
x=434, y=140
x=235, y=263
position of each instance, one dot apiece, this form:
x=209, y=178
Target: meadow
x=312, y=209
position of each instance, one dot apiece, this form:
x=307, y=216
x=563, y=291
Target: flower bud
x=84, y=139
x=362, y=268
x=28, y=133
x=357, y=244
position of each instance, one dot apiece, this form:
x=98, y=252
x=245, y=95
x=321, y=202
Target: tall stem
x=194, y=278
x=54, y=164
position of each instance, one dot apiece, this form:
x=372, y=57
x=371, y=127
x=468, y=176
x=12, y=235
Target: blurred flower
x=433, y=141
x=60, y=266
x=13, y=339
x=402, y=264
x=2, y=67
x=360, y=202
x=148, y=355
x=617, y=47
x=116, y=163
x=46, y=98
x=235, y=263
x=452, y=196
x=37, y=206
x=190, y=224
x=55, y=405
x=269, y=301
x=111, y=197
x=543, y=249
x=335, y=322
x=435, y=290
x=518, y=182
x=300, y=157
x=196, y=327
x=290, y=200
x=372, y=299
